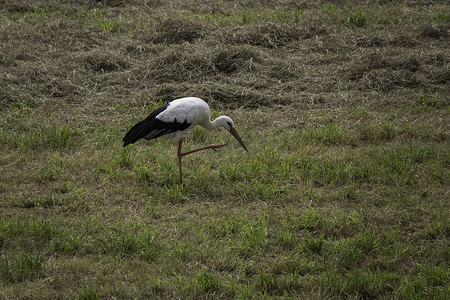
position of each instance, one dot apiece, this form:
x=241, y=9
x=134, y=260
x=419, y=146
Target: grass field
x=344, y=193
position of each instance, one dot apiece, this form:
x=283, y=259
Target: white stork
x=174, y=120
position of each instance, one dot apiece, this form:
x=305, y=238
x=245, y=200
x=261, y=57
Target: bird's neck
x=213, y=124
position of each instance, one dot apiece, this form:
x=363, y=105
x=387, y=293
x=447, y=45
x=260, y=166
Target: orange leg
x=181, y=154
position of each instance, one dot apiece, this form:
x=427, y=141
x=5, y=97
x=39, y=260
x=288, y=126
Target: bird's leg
x=180, y=155
x=215, y=146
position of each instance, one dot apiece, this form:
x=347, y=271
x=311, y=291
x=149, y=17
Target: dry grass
x=344, y=108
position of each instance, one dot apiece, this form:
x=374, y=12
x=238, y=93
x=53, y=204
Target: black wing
x=152, y=128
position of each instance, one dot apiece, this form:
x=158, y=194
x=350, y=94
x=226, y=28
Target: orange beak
x=236, y=135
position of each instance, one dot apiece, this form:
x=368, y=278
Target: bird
x=174, y=120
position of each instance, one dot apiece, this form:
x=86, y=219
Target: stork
x=175, y=119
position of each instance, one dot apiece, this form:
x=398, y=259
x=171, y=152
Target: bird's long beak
x=236, y=135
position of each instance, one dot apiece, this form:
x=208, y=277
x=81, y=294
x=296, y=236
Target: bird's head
x=228, y=124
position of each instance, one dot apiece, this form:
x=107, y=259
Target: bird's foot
x=217, y=146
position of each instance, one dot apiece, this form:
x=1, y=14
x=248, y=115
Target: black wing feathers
x=152, y=128
x=138, y=131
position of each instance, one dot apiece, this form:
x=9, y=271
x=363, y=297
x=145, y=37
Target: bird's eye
x=230, y=125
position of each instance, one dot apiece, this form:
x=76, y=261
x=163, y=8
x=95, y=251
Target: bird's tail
x=134, y=134
x=138, y=131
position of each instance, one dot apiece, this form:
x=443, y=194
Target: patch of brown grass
x=272, y=35
x=177, y=31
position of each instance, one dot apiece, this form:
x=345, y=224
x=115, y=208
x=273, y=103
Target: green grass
x=22, y=267
x=342, y=195
x=98, y=17
x=88, y=293
x=205, y=282
x=358, y=19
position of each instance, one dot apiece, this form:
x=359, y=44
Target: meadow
x=344, y=107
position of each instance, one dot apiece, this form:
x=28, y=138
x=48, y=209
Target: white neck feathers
x=219, y=122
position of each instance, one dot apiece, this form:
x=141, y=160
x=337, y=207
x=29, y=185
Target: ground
x=344, y=107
